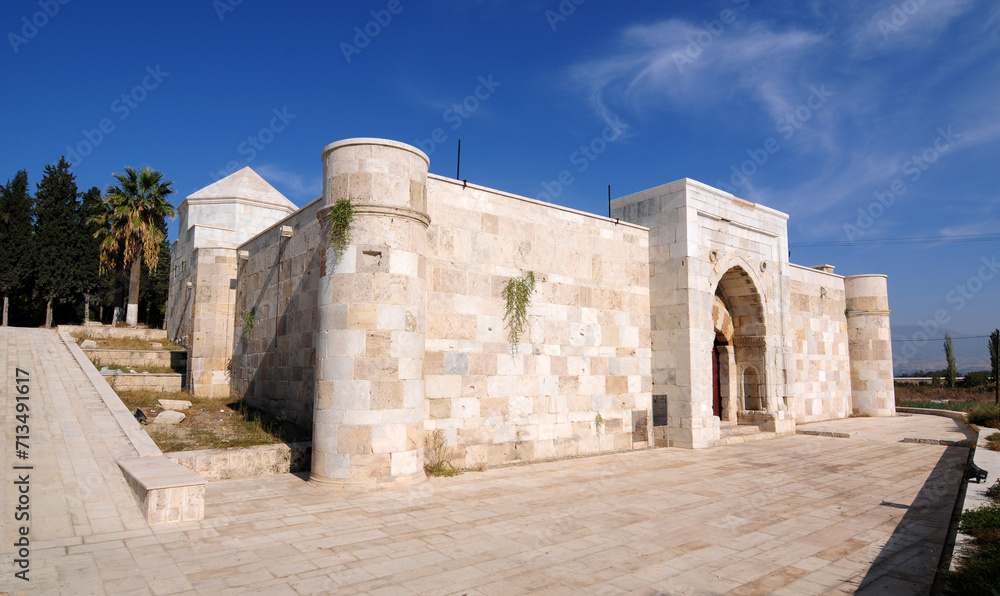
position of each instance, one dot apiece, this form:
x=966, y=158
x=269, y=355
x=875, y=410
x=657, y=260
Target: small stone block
x=88, y=344
x=174, y=404
x=169, y=417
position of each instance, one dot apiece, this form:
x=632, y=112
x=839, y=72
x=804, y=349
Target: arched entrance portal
x=738, y=353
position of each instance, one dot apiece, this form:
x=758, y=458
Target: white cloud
x=905, y=24
x=690, y=67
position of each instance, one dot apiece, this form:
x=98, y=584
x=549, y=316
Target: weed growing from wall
x=249, y=320
x=437, y=463
x=517, y=297
x=340, y=218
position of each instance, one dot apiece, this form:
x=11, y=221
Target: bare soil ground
x=211, y=423
x=124, y=343
x=925, y=393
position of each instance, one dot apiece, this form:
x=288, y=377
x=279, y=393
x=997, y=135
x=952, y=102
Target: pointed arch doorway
x=738, y=352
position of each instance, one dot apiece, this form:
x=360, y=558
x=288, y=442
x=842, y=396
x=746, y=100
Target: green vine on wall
x=517, y=297
x=340, y=218
x=249, y=320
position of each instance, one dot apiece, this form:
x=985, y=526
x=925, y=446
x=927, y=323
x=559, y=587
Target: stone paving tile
x=793, y=515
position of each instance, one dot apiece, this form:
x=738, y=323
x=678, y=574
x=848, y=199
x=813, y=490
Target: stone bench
x=167, y=492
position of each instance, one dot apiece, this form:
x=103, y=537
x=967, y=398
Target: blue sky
x=816, y=108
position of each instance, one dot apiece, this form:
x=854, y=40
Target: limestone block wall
x=274, y=362
x=206, y=319
x=822, y=385
x=870, y=345
x=586, y=352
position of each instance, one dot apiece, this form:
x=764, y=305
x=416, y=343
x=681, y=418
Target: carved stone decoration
x=750, y=341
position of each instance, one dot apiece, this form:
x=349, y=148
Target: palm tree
x=129, y=232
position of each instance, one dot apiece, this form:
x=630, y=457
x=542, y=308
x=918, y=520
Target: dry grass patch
x=153, y=370
x=124, y=343
x=211, y=423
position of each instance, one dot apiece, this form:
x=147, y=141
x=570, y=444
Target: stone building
x=679, y=320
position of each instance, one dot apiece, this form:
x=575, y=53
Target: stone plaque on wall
x=659, y=410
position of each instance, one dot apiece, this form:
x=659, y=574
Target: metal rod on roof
x=458, y=172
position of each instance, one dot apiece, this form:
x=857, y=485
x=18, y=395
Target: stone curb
x=824, y=433
x=935, y=412
x=975, y=493
x=946, y=442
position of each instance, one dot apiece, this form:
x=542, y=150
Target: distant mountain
x=910, y=356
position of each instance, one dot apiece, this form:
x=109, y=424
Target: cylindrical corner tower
x=870, y=345
x=368, y=420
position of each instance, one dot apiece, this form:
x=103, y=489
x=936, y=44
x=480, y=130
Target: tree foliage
x=56, y=224
x=949, y=354
x=995, y=362
x=16, y=262
x=92, y=284
x=130, y=231
x=155, y=283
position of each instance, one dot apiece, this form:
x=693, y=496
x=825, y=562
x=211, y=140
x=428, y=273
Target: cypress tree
x=949, y=353
x=15, y=238
x=91, y=283
x=995, y=363
x=56, y=227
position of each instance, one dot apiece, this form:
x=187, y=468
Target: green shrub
x=975, y=521
x=980, y=378
x=993, y=492
x=340, y=218
x=987, y=415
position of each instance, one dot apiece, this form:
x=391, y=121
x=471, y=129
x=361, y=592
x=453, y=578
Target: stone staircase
x=732, y=433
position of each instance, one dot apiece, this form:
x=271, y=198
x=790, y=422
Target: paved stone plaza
x=794, y=515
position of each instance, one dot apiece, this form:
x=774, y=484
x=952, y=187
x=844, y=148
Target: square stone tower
x=719, y=306
x=212, y=223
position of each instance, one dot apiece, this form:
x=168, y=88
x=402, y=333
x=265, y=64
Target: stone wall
x=586, y=351
x=822, y=361
x=274, y=363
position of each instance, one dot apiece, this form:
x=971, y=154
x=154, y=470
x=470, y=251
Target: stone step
x=736, y=430
x=746, y=438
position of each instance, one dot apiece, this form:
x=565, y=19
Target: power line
x=942, y=339
x=942, y=239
